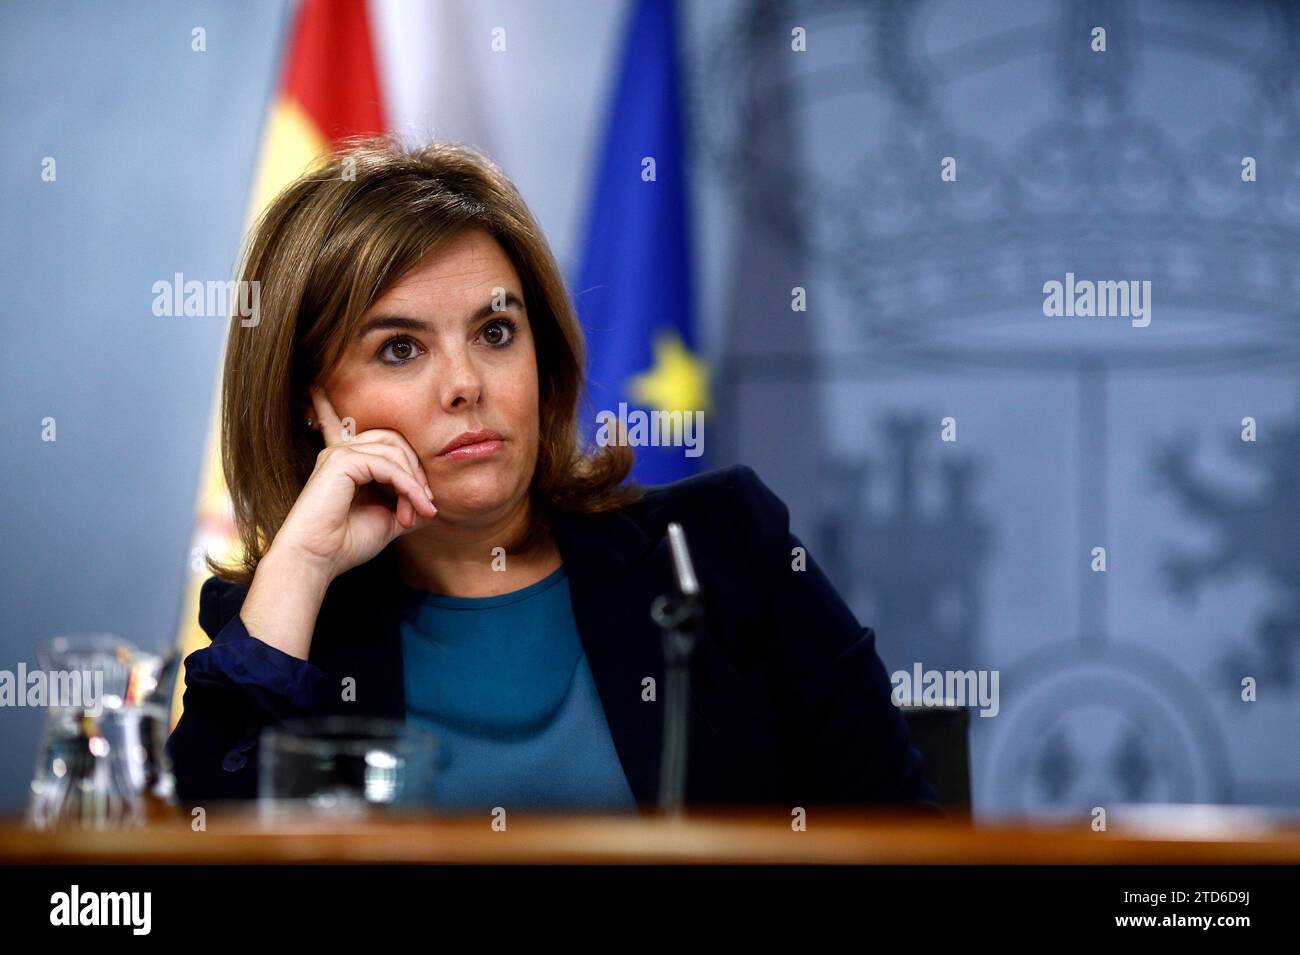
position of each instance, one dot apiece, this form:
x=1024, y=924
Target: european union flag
x=634, y=293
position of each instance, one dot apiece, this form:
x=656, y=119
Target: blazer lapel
x=615, y=571
x=360, y=639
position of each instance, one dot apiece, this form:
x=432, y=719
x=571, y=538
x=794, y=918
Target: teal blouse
x=504, y=685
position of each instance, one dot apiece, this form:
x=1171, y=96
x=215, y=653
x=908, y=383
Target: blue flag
x=634, y=294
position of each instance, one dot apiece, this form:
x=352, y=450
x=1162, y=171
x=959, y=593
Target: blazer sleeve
x=234, y=688
x=853, y=744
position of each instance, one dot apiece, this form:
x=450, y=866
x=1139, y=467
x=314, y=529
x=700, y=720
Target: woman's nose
x=459, y=383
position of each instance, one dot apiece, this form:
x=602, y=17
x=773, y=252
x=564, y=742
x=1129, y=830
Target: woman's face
x=433, y=360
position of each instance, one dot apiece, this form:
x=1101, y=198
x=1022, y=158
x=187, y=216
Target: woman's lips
x=480, y=449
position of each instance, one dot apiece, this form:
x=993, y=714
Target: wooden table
x=240, y=836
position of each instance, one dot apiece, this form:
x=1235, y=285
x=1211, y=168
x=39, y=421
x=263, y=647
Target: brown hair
x=323, y=251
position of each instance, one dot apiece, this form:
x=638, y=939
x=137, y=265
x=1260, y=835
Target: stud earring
x=309, y=422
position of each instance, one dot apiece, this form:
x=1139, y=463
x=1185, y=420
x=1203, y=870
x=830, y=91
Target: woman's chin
x=469, y=500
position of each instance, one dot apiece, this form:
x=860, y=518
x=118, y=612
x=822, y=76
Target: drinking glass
x=340, y=766
x=101, y=760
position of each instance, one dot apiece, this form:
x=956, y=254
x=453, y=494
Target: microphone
x=679, y=615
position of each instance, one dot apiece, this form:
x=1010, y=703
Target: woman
x=425, y=538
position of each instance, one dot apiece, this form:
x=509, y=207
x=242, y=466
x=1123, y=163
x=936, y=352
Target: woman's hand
x=366, y=490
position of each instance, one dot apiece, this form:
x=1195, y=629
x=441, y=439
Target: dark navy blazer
x=790, y=702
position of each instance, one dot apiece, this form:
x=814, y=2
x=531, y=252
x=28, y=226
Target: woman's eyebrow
x=392, y=321
x=382, y=322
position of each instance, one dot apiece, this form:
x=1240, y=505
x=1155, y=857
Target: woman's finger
x=331, y=427
x=364, y=465
x=396, y=440
x=397, y=456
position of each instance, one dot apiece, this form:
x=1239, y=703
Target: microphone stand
x=680, y=616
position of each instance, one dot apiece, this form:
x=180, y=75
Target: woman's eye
x=397, y=351
x=499, y=332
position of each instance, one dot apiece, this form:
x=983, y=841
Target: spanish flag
x=329, y=89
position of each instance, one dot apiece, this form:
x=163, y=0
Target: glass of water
x=342, y=766
x=101, y=761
